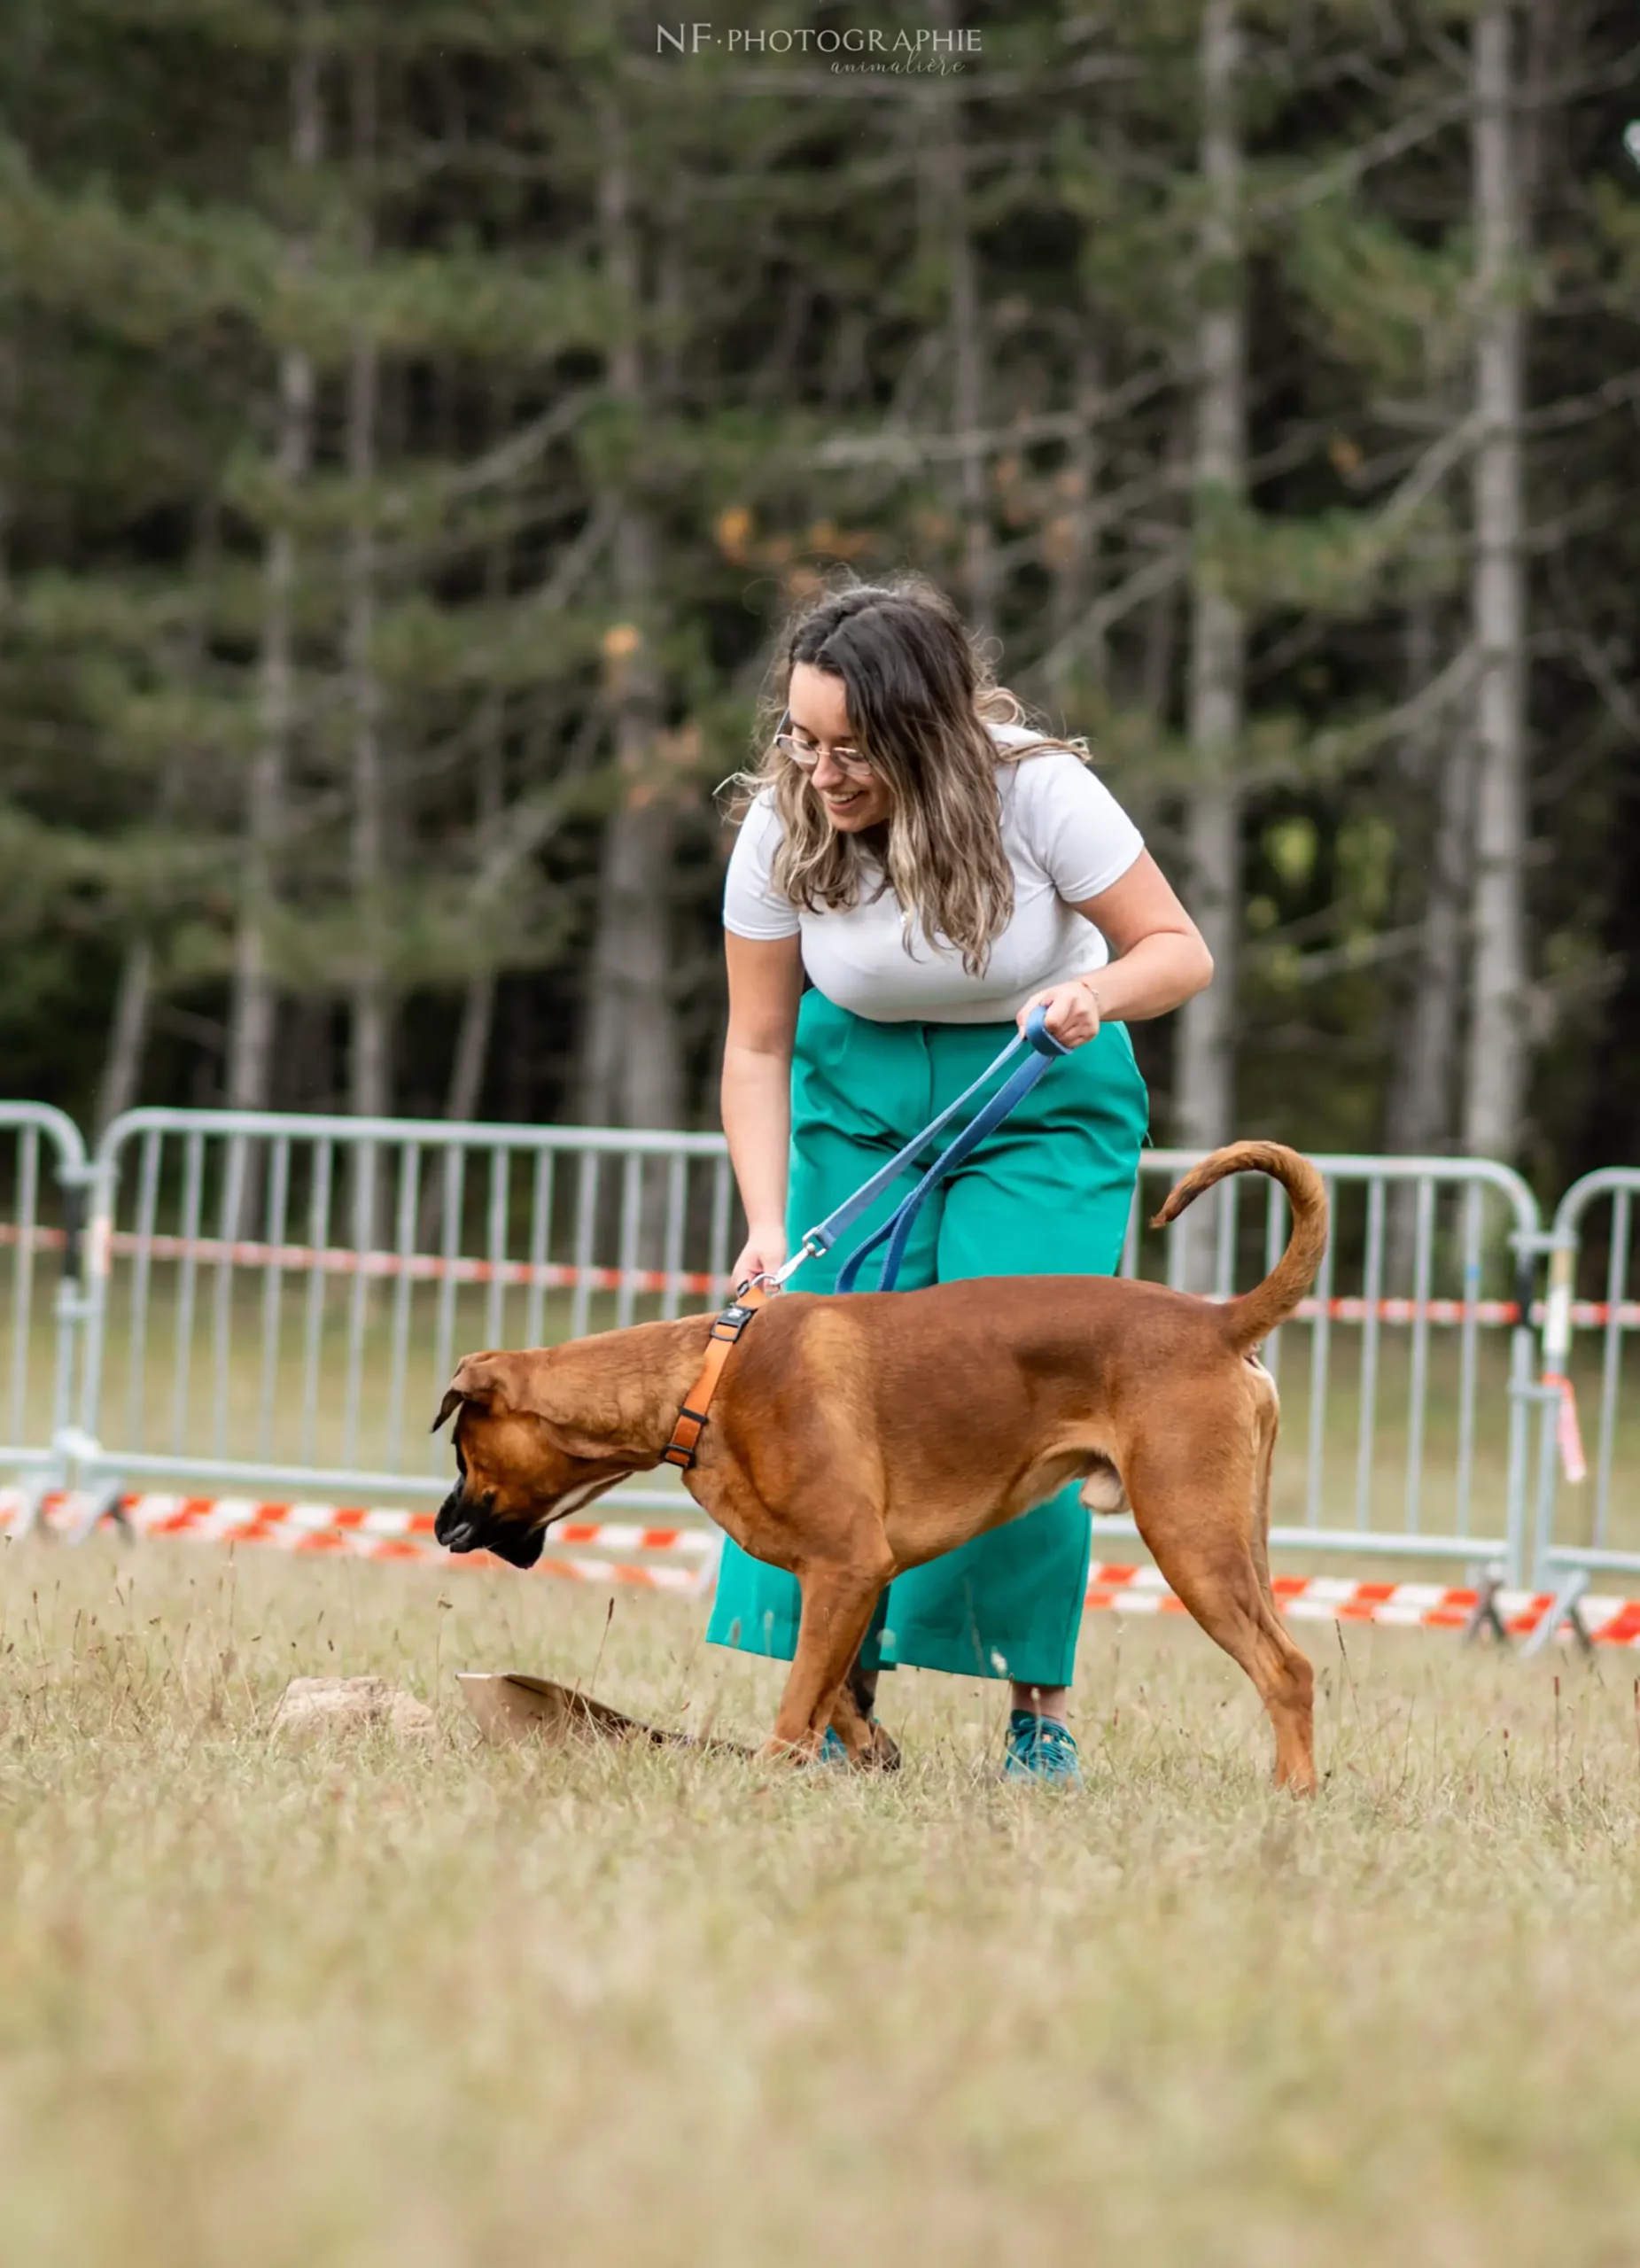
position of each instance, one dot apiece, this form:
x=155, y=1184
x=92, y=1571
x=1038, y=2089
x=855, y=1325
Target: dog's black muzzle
x=463, y=1526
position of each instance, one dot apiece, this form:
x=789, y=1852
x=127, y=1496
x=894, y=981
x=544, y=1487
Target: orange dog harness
x=726, y=1331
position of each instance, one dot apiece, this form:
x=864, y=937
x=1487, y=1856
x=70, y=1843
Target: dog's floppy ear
x=475, y=1380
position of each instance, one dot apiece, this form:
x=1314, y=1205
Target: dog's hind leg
x=1266, y=1424
x=1199, y=1518
x=838, y=1602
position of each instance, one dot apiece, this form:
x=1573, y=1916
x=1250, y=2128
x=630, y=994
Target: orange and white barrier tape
x=343, y=1260
x=1413, y=1606
x=560, y=1276
x=387, y=1532
x=687, y=1560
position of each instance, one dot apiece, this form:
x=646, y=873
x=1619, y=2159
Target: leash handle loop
x=1039, y=1036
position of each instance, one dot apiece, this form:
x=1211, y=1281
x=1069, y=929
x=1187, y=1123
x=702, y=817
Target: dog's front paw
x=776, y=1751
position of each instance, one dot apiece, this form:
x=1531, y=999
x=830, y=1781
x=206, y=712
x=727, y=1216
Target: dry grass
x=369, y=2005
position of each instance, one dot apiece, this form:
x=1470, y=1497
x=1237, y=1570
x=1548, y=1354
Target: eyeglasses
x=806, y=753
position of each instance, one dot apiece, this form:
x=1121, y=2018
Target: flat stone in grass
x=310, y=1706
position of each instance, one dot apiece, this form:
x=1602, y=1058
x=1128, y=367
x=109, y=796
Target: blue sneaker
x=831, y=1750
x=1040, y=1748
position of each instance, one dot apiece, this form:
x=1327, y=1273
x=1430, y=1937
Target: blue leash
x=1042, y=1049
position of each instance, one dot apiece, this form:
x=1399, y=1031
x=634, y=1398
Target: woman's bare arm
x=1158, y=960
x=765, y=983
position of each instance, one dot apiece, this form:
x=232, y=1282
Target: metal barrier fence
x=44, y=1178
x=1415, y=1421
x=280, y=1300
x=273, y=1302
x=1608, y=1541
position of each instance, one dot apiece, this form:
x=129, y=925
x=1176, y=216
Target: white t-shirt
x=1067, y=838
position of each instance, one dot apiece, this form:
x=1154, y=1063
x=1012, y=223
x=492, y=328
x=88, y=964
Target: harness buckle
x=691, y=1420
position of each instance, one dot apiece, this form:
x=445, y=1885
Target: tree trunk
x=369, y=1080
x=632, y=1073
x=134, y=999
x=1496, y=1072
x=252, y=1011
x=8, y=457
x=122, y=1065
x=1418, y=1118
x=472, y=1048
x=472, y=1039
x=1438, y=764
x=1073, y=551
x=950, y=166
x=1158, y=647
x=369, y=1083
x=1205, y=1083
x=472, y=1036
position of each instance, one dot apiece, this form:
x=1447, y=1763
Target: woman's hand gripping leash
x=1070, y=1010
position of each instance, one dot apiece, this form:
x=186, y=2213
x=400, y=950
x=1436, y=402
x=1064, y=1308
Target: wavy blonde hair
x=920, y=696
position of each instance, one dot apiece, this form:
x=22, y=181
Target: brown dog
x=852, y=1438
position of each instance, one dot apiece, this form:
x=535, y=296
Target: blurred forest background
x=415, y=421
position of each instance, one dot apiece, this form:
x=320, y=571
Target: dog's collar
x=726, y=1331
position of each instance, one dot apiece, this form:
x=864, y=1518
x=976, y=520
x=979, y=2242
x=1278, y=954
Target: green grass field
x=366, y=2006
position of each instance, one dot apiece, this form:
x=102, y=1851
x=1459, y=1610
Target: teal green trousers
x=1047, y=1193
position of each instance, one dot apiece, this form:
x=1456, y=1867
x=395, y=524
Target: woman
x=901, y=802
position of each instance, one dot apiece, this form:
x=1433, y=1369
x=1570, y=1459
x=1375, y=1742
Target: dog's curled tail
x=1257, y=1313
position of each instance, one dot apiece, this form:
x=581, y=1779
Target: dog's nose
x=454, y=1528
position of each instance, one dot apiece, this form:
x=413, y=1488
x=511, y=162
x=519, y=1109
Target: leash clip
x=814, y=1244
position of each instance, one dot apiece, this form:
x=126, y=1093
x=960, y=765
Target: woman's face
x=819, y=710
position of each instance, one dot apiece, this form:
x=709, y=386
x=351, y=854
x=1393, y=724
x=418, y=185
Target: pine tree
x=1495, y=1084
